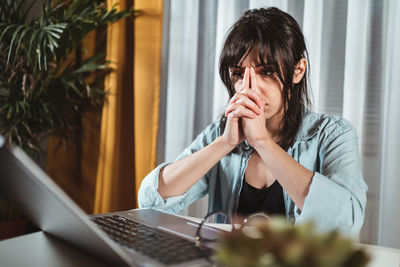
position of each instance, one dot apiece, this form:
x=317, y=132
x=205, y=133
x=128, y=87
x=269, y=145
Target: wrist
x=225, y=145
x=261, y=144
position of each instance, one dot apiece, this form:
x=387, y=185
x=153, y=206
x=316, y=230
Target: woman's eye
x=267, y=72
x=237, y=74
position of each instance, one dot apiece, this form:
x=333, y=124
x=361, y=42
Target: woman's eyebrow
x=266, y=65
x=237, y=67
x=257, y=66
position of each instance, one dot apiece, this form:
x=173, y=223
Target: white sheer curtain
x=355, y=72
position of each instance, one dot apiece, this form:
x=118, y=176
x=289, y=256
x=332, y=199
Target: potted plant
x=279, y=243
x=46, y=79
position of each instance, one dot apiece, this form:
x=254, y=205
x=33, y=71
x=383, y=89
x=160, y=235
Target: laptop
x=139, y=237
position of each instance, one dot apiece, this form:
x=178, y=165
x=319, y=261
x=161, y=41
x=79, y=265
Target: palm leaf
x=52, y=43
x=54, y=33
x=39, y=50
x=12, y=41
x=6, y=29
x=31, y=42
x=59, y=27
x=91, y=64
x=22, y=35
x=44, y=49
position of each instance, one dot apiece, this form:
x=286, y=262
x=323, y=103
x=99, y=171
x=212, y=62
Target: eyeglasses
x=206, y=230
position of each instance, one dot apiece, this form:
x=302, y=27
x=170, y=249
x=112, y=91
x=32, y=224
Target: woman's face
x=268, y=85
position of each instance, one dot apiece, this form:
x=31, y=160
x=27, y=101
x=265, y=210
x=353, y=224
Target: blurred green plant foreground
x=279, y=243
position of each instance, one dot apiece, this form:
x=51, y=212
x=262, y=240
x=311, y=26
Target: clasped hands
x=245, y=113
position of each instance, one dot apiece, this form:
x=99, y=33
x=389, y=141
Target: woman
x=269, y=152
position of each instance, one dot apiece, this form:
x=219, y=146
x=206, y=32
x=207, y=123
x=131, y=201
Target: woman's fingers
x=246, y=102
x=253, y=79
x=254, y=95
x=246, y=78
x=238, y=111
x=255, y=91
x=249, y=98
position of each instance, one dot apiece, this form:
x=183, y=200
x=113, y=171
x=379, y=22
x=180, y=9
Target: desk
x=42, y=250
x=382, y=256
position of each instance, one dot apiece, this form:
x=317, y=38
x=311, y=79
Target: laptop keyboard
x=161, y=246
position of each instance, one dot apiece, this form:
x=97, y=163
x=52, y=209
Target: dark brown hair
x=280, y=43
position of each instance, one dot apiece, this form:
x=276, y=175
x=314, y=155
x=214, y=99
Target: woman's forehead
x=243, y=66
x=250, y=57
x=253, y=58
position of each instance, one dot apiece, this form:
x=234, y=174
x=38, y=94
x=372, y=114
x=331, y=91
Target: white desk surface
x=382, y=256
x=41, y=250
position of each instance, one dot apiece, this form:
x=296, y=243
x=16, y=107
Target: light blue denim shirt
x=326, y=145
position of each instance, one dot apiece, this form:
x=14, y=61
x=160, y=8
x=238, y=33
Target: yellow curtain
x=130, y=116
x=115, y=172
x=148, y=36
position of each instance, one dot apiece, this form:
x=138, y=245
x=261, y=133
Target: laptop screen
x=27, y=186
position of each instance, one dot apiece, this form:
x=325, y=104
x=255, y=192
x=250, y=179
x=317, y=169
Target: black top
x=268, y=200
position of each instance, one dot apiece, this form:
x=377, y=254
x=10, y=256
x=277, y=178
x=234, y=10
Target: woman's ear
x=299, y=70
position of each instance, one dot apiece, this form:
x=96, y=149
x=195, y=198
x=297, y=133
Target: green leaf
x=38, y=48
x=10, y=112
x=28, y=129
x=89, y=67
x=59, y=27
x=16, y=108
x=4, y=107
x=42, y=16
x=44, y=106
x=75, y=89
x=55, y=35
x=52, y=43
x=12, y=42
x=6, y=29
x=22, y=105
x=33, y=37
x=39, y=59
x=22, y=35
x=90, y=64
x=44, y=47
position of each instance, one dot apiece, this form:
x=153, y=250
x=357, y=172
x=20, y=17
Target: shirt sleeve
x=148, y=196
x=337, y=194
